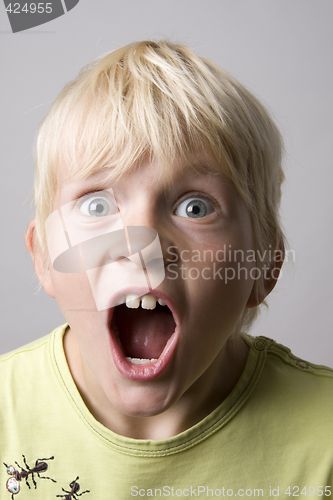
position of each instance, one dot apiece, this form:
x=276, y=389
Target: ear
x=270, y=275
x=37, y=258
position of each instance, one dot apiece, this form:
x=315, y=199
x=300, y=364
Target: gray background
x=280, y=49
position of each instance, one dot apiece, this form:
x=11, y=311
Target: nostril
x=120, y=257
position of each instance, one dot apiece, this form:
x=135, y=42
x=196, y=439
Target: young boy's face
x=200, y=220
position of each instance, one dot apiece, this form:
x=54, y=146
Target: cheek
x=72, y=291
x=222, y=267
x=219, y=280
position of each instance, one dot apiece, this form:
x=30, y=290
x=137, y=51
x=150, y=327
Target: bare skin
x=208, y=358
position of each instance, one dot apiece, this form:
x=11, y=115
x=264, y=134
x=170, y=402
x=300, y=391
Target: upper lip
x=140, y=292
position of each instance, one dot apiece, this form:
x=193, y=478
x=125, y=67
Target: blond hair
x=161, y=99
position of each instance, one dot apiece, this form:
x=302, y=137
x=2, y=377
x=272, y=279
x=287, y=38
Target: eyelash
x=199, y=196
x=94, y=194
x=184, y=197
x=85, y=196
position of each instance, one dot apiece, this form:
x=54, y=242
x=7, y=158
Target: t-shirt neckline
x=227, y=410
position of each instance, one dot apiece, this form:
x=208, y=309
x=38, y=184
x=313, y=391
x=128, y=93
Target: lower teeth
x=134, y=361
x=139, y=361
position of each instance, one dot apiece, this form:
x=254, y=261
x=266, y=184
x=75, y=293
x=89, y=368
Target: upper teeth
x=147, y=301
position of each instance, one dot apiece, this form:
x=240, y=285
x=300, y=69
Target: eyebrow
x=74, y=189
x=101, y=179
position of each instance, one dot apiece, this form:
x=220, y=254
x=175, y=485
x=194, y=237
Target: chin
x=144, y=402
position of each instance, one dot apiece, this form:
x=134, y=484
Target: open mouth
x=143, y=328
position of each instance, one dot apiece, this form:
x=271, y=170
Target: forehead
x=147, y=171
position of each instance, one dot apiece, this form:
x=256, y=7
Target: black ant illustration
x=74, y=485
x=13, y=483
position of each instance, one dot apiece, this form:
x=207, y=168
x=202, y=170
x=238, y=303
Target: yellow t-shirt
x=271, y=437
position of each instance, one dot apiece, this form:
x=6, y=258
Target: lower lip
x=147, y=371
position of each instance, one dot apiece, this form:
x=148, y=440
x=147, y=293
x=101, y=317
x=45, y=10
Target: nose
x=105, y=249
x=133, y=233
x=144, y=226
x=139, y=244
x=140, y=211
x=128, y=257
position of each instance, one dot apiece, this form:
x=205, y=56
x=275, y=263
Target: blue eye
x=98, y=206
x=195, y=208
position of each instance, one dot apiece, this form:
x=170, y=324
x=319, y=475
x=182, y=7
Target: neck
x=203, y=397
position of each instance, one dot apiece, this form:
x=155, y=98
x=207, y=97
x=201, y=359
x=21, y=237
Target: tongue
x=143, y=333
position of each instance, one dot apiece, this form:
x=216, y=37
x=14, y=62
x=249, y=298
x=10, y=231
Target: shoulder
x=293, y=387
x=28, y=381
x=28, y=348
x=296, y=369
x=278, y=356
x=28, y=361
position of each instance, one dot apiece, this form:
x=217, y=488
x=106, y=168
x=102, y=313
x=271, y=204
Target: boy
x=157, y=191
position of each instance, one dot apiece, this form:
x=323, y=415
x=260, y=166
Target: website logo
x=24, y=15
x=89, y=237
